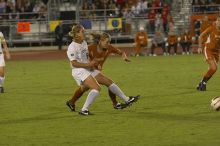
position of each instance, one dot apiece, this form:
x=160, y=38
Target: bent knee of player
x=213, y=68
x=98, y=88
x=84, y=88
x=108, y=82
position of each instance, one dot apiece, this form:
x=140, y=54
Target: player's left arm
x=5, y=46
x=121, y=53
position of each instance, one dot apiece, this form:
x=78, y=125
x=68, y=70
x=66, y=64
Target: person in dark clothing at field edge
x=59, y=33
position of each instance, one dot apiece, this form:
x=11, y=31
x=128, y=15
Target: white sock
x=2, y=79
x=90, y=98
x=117, y=91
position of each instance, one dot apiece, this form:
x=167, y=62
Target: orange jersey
x=203, y=27
x=213, y=40
x=212, y=44
x=141, y=38
x=102, y=55
x=172, y=39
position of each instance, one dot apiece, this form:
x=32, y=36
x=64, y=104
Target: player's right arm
x=74, y=56
x=5, y=46
x=203, y=35
x=90, y=65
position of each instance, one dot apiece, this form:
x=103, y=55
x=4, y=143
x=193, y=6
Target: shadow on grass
x=196, y=117
x=45, y=117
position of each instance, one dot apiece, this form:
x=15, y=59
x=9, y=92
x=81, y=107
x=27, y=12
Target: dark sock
x=205, y=79
x=113, y=97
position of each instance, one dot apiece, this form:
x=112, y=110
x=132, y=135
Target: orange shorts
x=211, y=54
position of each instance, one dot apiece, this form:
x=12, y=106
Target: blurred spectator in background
x=158, y=41
x=40, y=9
x=197, y=25
x=172, y=42
x=166, y=9
x=141, y=41
x=121, y=3
x=85, y=9
x=159, y=22
x=151, y=17
x=59, y=33
x=186, y=42
x=2, y=6
x=111, y=5
x=127, y=15
x=10, y=8
x=170, y=23
x=164, y=17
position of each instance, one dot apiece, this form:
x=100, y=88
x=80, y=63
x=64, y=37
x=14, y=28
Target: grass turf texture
x=170, y=112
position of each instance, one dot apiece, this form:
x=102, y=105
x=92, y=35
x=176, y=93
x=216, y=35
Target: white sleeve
x=72, y=53
x=2, y=37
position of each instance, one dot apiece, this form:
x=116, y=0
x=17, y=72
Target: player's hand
x=93, y=64
x=199, y=50
x=99, y=67
x=125, y=58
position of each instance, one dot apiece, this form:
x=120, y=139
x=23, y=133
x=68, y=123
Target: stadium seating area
x=149, y=14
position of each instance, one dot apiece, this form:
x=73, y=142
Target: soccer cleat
x=120, y=106
x=85, y=113
x=132, y=99
x=72, y=107
x=1, y=90
x=201, y=86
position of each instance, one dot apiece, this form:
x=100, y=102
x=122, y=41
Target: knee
x=214, y=68
x=98, y=88
x=109, y=82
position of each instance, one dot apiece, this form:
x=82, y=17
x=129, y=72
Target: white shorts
x=95, y=73
x=80, y=74
x=2, y=60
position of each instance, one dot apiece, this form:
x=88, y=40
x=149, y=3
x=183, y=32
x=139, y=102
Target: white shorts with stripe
x=80, y=74
x=95, y=73
x=2, y=60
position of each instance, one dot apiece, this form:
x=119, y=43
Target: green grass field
x=170, y=112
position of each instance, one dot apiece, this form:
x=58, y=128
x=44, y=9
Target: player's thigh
x=91, y=83
x=2, y=71
x=2, y=65
x=211, y=58
x=84, y=88
x=102, y=79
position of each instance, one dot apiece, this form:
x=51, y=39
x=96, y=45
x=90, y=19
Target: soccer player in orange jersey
x=172, y=42
x=186, y=41
x=141, y=41
x=99, y=51
x=211, y=50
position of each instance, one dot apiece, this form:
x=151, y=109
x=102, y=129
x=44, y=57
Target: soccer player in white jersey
x=81, y=66
x=2, y=60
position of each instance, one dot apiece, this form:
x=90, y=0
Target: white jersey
x=2, y=39
x=78, y=52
